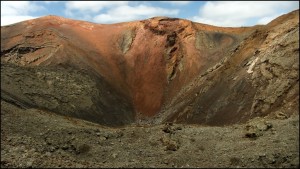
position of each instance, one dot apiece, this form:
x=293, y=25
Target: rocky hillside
x=152, y=71
x=260, y=76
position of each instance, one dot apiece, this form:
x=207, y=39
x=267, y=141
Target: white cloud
x=240, y=13
x=17, y=11
x=50, y=2
x=177, y=2
x=86, y=10
x=91, y=6
x=7, y=20
x=18, y=7
x=129, y=13
x=267, y=19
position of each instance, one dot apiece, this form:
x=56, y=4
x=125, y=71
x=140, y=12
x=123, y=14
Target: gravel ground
x=36, y=138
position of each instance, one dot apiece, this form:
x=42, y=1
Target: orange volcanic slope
x=149, y=61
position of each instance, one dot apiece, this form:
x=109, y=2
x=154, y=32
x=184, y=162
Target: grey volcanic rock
x=66, y=91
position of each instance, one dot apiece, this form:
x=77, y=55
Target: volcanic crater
x=150, y=71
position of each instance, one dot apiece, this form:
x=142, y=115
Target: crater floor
x=37, y=138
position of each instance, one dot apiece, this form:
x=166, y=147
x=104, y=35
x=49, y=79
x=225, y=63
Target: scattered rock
x=167, y=129
x=253, y=135
x=280, y=115
x=65, y=147
x=235, y=161
x=172, y=146
x=256, y=128
x=114, y=155
x=48, y=154
x=29, y=164
x=83, y=148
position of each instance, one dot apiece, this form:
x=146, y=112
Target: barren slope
x=155, y=70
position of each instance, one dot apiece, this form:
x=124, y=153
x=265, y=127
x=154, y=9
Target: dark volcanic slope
x=160, y=69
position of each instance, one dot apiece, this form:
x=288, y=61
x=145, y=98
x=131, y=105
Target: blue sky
x=219, y=13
